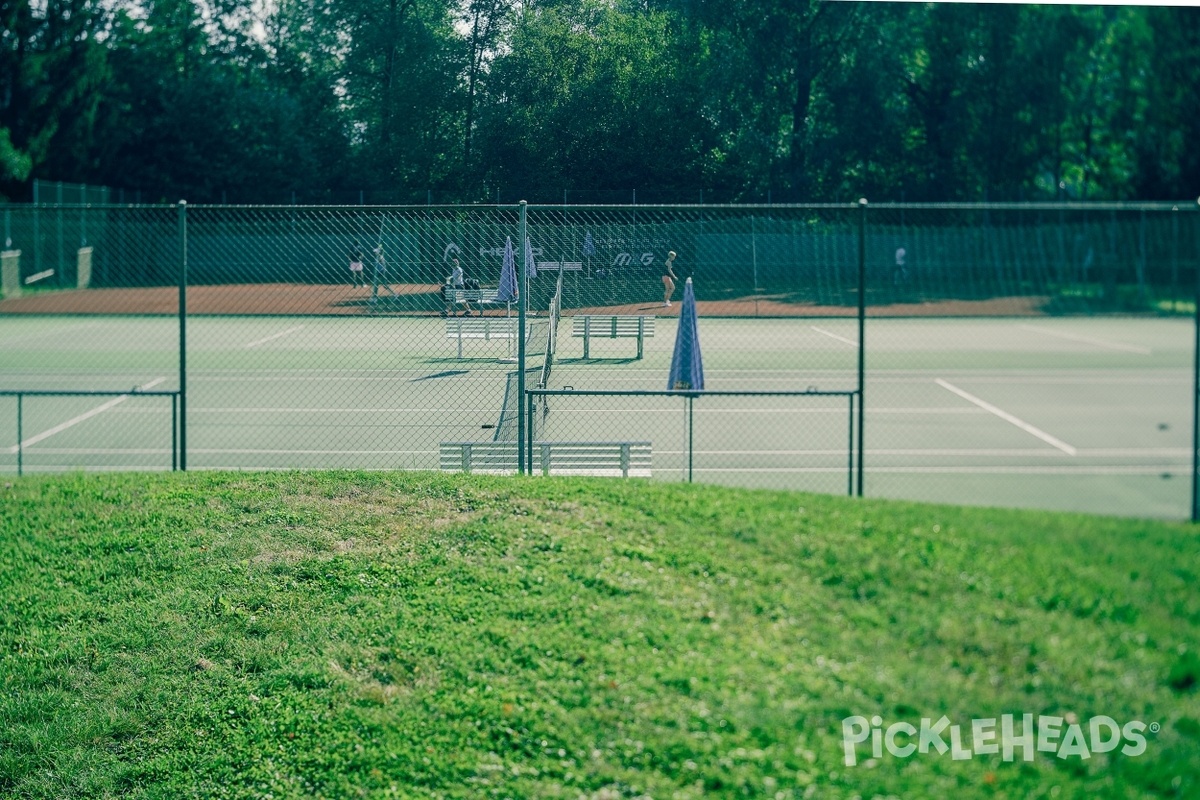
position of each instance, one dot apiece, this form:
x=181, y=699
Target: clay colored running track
x=337, y=300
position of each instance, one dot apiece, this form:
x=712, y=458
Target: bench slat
x=619, y=459
x=612, y=326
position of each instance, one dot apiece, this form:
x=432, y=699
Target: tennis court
x=1089, y=414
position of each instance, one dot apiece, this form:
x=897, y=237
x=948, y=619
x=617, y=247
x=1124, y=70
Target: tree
x=51, y=67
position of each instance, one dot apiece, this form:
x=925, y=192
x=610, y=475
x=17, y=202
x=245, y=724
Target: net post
x=862, y=316
x=522, y=306
x=182, y=219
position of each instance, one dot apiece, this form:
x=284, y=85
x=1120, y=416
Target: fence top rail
x=87, y=392
x=689, y=393
x=1099, y=205
x=1156, y=206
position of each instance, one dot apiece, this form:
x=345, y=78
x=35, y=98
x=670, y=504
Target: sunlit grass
x=354, y=634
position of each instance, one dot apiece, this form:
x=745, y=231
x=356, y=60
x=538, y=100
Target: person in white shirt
x=456, y=281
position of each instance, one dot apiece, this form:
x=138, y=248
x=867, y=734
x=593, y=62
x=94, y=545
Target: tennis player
x=458, y=283
x=380, y=275
x=668, y=279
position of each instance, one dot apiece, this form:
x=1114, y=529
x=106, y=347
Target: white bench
x=485, y=328
x=591, y=326
x=472, y=295
x=598, y=459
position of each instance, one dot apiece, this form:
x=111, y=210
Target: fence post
x=1196, y=394
x=850, y=450
x=58, y=265
x=522, y=305
x=182, y=215
x=20, y=436
x=37, y=229
x=691, y=434
x=862, y=329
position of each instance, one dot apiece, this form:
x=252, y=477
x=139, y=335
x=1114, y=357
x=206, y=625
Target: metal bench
x=485, y=328
x=598, y=459
x=472, y=295
x=590, y=326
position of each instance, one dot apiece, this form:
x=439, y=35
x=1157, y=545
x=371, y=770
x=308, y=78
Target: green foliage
x=361, y=634
x=809, y=100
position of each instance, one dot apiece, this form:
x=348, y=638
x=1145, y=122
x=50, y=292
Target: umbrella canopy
x=508, y=290
x=530, y=266
x=687, y=368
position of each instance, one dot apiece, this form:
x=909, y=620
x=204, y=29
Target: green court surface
x=1090, y=414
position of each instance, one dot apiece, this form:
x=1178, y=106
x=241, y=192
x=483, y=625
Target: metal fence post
x=182, y=213
x=522, y=305
x=1196, y=394
x=20, y=437
x=862, y=330
x=850, y=450
x=58, y=266
x=691, y=434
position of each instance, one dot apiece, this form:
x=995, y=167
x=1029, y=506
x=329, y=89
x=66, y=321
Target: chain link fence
x=1036, y=355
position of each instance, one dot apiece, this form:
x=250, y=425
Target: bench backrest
x=612, y=326
x=481, y=326
x=602, y=459
x=477, y=295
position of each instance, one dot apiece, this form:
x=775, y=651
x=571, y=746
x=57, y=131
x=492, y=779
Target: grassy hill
x=417, y=635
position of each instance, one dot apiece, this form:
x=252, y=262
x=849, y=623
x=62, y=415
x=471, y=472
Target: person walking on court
x=457, y=283
x=357, y=278
x=380, y=275
x=668, y=279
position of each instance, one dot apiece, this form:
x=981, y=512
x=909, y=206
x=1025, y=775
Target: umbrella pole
x=510, y=358
x=683, y=463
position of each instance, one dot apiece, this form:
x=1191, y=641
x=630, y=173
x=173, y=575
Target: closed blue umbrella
x=530, y=266
x=508, y=289
x=687, y=368
x=589, y=250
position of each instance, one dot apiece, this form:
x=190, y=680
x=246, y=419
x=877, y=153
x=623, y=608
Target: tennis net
x=541, y=339
x=540, y=408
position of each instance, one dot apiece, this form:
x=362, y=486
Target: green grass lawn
x=418, y=635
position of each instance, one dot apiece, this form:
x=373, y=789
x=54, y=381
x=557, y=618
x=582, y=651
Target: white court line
x=1148, y=469
x=45, y=334
x=1004, y=415
x=264, y=340
x=100, y=409
x=103, y=451
x=209, y=410
x=850, y=342
x=1129, y=348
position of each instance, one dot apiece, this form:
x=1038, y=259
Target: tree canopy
x=681, y=100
